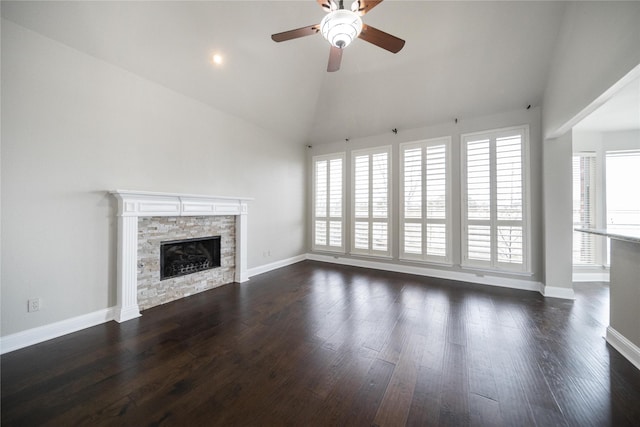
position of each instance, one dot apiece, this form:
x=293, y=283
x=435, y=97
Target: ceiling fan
x=340, y=26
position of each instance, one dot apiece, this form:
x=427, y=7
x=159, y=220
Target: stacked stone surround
x=153, y=230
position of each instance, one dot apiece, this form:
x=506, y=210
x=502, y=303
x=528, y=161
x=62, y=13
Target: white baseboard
x=432, y=272
x=557, y=292
x=629, y=350
x=275, y=265
x=37, y=335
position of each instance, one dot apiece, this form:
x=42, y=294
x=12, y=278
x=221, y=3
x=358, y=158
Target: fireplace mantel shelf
x=147, y=203
x=135, y=204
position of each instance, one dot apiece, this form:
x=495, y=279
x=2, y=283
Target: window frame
x=370, y=152
x=328, y=218
x=424, y=256
x=493, y=264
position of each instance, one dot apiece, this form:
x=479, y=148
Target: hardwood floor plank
x=539, y=395
x=395, y=343
x=396, y=403
x=425, y=404
x=318, y=344
x=484, y=411
x=368, y=398
x=511, y=396
x=481, y=372
x=338, y=402
x=454, y=399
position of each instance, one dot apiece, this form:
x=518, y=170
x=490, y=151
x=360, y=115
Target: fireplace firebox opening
x=182, y=257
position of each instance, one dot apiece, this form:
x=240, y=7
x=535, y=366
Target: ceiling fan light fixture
x=340, y=27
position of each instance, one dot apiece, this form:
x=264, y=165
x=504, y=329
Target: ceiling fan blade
x=381, y=39
x=326, y=5
x=297, y=33
x=335, y=57
x=366, y=5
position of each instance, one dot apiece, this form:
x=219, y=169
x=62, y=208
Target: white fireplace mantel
x=135, y=204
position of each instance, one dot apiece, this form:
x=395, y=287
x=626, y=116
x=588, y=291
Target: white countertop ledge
x=627, y=235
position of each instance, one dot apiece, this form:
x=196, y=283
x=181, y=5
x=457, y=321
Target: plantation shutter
x=584, y=245
x=478, y=200
x=371, y=194
x=425, y=201
x=328, y=201
x=509, y=195
x=412, y=208
x=494, y=233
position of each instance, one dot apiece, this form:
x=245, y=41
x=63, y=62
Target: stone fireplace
x=198, y=255
x=147, y=221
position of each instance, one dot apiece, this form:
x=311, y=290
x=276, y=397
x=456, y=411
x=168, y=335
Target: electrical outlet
x=34, y=305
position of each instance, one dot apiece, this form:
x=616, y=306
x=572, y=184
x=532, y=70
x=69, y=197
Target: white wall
x=621, y=140
x=598, y=45
x=558, y=209
x=531, y=117
x=75, y=127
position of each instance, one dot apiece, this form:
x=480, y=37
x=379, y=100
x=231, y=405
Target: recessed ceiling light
x=217, y=59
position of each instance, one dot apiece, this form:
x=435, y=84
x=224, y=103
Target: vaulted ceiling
x=461, y=59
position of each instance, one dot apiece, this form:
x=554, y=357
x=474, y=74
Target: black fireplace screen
x=182, y=257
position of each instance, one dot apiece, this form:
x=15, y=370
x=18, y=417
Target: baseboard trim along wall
x=484, y=279
x=275, y=265
x=54, y=330
x=629, y=350
x=556, y=292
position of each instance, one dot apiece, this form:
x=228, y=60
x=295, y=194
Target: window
x=584, y=208
x=371, y=171
x=623, y=203
x=328, y=202
x=494, y=197
x=425, y=201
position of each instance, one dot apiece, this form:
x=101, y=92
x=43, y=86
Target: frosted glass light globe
x=340, y=27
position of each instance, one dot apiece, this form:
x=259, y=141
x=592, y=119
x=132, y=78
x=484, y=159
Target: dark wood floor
x=318, y=344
